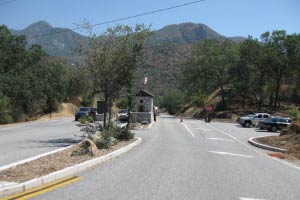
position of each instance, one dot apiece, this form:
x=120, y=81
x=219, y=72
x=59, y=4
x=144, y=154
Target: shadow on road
x=60, y=142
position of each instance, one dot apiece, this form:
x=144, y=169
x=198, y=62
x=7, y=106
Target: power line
x=120, y=19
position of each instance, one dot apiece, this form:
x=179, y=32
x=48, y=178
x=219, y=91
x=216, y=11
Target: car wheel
x=247, y=124
x=274, y=129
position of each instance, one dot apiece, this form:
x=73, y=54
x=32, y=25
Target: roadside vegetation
x=112, y=60
x=31, y=82
x=262, y=74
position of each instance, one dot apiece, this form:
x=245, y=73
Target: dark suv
x=83, y=112
x=275, y=123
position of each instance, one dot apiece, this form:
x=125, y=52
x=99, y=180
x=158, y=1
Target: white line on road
x=205, y=129
x=239, y=141
x=220, y=139
x=188, y=129
x=257, y=151
x=231, y=154
x=243, y=198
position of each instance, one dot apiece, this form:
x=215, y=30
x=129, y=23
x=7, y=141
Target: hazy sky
x=227, y=17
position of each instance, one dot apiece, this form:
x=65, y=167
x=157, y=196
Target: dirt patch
x=290, y=142
x=67, y=110
x=52, y=163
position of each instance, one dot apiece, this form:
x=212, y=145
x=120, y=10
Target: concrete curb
x=263, y=146
x=33, y=158
x=69, y=171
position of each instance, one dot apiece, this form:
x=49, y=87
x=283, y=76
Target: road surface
x=189, y=160
x=26, y=140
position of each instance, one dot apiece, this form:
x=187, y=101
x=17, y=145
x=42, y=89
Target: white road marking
x=188, y=129
x=220, y=139
x=205, y=129
x=257, y=151
x=239, y=141
x=231, y=154
x=243, y=198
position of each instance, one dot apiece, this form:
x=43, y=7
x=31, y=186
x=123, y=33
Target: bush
x=5, y=111
x=85, y=120
x=102, y=143
x=294, y=112
x=124, y=134
x=122, y=103
x=105, y=141
x=172, y=101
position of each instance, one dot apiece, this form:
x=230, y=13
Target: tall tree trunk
x=109, y=111
x=277, y=88
x=105, y=110
x=223, y=96
x=243, y=100
x=129, y=97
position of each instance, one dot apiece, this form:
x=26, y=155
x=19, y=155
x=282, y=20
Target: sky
x=227, y=17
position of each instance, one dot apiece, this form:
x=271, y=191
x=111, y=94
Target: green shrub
x=105, y=141
x=102, y=143
x=124, y=134
x=294, y=112
x=5, y=111
x=85, y=120
x=122, y=103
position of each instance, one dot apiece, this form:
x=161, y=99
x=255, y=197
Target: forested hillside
x=31, y=82
x=164, y=53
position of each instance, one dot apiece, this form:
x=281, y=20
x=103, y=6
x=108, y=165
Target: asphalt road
x=30, y=139
x=189, y=160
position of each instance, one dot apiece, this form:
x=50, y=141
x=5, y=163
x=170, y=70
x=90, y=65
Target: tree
x=209, y=66
x=113, y=62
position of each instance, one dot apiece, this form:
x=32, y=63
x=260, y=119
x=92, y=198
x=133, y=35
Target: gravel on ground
x=52, y=163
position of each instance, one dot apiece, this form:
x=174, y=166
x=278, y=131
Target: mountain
x=65, y=42
x=164, y=53
x=185, y=33
x=61, y=45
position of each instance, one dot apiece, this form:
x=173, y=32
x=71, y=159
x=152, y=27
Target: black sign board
x=101, y=107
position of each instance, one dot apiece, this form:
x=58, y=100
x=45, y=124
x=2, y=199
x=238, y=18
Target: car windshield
x=122, y=111
x=84, y=109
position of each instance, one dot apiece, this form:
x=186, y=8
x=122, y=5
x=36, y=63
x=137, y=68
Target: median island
x=289, y=139
x=96, y=142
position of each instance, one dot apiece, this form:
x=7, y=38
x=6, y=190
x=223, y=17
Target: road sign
x=101, y=107
x=208, y=108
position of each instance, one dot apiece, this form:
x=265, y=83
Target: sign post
x=208, y=109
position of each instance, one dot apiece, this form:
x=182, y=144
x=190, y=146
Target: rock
x=86, y=146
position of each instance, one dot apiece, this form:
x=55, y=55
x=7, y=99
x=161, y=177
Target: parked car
x=122, y=115
x=83, y=112
x=275, y=123
x=252, y=120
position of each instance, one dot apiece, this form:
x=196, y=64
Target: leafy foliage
x=30, y=82
x=172, y=101
x=294, y=112
x=254, y=70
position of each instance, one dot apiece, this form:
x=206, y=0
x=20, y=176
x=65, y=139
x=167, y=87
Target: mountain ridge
x=64, y=43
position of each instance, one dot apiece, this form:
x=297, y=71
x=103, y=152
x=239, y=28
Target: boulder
x=86, y=146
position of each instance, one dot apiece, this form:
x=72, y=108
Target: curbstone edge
x=72, y=170
x=263, y=146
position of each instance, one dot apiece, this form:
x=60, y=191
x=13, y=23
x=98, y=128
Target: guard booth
x=142, y=111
